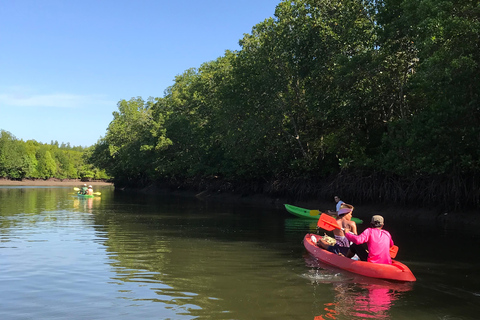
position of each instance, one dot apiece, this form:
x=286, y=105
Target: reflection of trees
x=30, y=201
x=199, y=265
x=198, y=262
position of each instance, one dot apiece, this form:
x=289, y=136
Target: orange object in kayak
x=395, y=271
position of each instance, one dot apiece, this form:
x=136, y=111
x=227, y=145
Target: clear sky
x=64, y=64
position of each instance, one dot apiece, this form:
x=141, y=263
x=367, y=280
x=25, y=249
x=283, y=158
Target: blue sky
x=64, y=64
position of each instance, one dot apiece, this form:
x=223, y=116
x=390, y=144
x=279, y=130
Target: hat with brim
x=344, y=211
x=376, y=219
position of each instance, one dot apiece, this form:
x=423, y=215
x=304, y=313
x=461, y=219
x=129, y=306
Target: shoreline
x=449, y=222
x=51, y=182
x=465, y=221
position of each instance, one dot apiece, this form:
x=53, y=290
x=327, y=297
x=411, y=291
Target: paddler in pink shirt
x=378, y=241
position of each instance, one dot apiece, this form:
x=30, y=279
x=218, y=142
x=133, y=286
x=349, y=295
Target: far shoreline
x=52, y=182
x=465, y=221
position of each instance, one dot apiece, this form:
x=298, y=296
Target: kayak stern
x=396, y=271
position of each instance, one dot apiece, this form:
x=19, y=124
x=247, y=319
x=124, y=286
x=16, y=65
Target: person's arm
x=389, y=236
x=352, y=227
x=391, y=240
x=362, y=238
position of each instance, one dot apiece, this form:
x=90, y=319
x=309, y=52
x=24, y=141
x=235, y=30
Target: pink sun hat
x=344, y=211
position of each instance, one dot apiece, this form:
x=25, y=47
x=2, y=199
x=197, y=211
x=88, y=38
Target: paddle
x=329, y=223
x=393, y=251
x=95, y=193
x=317, y=212
x=76, y=189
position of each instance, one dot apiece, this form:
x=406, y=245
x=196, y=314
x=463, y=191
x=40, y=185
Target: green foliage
x=31, y=159
x=442, y=133
x=13, y=162
x=133, y=139
x=46, y=167
x=387, y=86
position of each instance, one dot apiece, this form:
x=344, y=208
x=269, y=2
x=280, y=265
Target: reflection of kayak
x=304, y=225
x=311, y=214
x=85, y=195
x=395, y=271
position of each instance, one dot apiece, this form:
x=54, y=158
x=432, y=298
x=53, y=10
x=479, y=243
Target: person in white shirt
x=90, y=191
x=338, y=206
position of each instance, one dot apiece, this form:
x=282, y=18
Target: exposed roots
x=440, y=193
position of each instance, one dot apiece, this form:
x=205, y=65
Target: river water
x=123, y=256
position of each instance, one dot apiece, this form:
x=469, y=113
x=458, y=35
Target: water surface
x=124, y=256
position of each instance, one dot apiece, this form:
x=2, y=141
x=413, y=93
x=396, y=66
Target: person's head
x=84, y=184
x=336, y=198
x=377, y=221
x=89, y=187
x=345, y=213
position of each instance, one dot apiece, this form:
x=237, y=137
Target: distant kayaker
x=342, y=245
x=378, y=241
x=84, y=189
x=90, y=191
x=338, y=206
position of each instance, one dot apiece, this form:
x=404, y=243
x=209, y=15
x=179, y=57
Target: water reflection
x=295, y=224
x=355, y=296
x=129, y=257
x=85, y=204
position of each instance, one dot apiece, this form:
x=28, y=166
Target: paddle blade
x=76, y=189
x=97, y=193
x=393, y=251
x=314, y=212
x=327, y=222
x=325, y=226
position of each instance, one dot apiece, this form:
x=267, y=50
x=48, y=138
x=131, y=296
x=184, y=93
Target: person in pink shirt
x=378, y=241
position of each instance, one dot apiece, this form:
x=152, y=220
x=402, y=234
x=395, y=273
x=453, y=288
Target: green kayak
x=311, y=214
x=85, y=195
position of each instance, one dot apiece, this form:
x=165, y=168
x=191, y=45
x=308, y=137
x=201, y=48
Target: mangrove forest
x=34, y=160
x=375, y=100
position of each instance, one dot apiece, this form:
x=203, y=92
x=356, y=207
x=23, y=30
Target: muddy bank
x=51, y=182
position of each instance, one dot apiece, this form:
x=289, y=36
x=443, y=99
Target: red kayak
x=395, y=271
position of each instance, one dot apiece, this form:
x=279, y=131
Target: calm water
x=125, y=256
